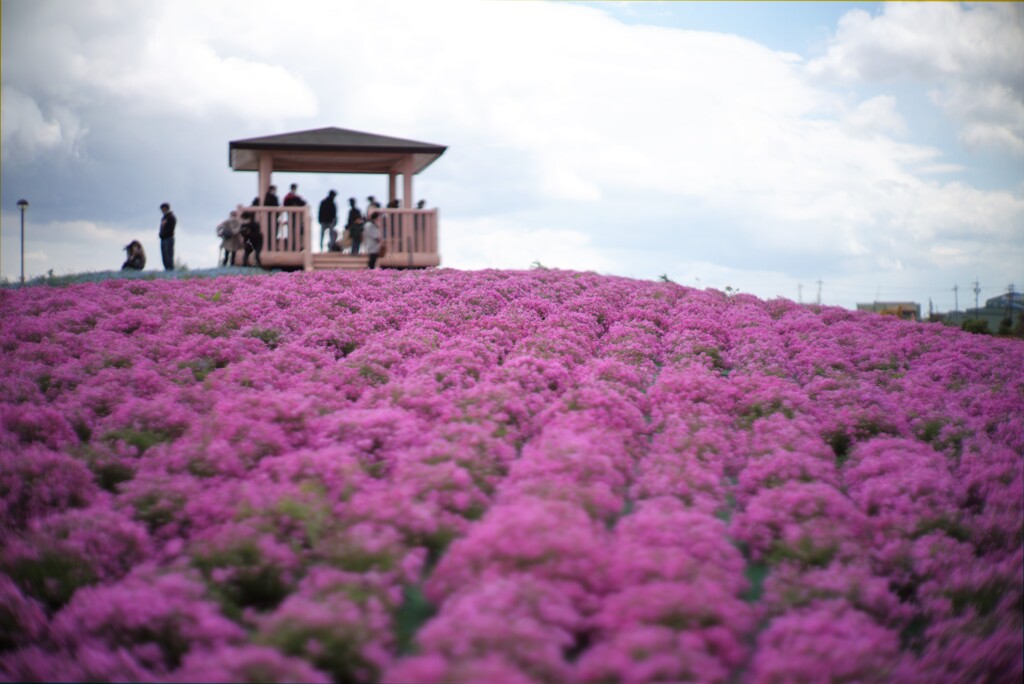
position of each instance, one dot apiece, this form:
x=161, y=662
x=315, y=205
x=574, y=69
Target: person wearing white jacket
x=371, y=238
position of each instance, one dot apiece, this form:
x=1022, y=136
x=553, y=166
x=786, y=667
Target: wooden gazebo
x=411, y=234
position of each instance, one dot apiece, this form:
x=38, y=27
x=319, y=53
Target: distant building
x=909, y=311
x=995, y=311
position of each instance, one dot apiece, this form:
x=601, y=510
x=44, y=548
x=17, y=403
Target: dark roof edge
x=423, y=148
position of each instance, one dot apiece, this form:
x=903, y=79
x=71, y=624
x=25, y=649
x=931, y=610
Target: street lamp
x=23, y=204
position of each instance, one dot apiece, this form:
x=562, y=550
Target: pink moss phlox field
x=538, y=476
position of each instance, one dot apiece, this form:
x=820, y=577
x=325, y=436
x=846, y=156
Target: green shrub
x=972, y=325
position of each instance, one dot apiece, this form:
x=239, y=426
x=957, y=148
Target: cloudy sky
x=875, y=148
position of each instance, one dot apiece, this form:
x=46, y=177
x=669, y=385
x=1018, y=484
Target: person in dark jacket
x=271, y=200
x=328, y=217
x=167, y=225
x=252, y=235
x=354, y=224
x=136, y=260
x=294, y=199
x=356, y=231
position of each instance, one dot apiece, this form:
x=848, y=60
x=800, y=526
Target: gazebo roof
x=332, y=150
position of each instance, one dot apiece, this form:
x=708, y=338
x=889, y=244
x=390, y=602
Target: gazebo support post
x=266, y=172
x=307, y=239
x=392, y=177
x=407, y=173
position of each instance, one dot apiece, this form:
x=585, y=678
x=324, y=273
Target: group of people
x=242, y=231
x=360, y=230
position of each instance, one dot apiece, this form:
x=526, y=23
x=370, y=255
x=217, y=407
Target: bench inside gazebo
x=410, y=234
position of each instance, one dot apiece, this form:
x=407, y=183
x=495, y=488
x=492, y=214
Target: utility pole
x=819, y=291
x=977, y=291
x=956, y=298
x=1009, y=302
x=23, y=205
x=799, y=293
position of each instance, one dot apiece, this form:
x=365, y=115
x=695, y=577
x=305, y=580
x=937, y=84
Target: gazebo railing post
x=307, y=239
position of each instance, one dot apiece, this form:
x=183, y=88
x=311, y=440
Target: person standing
x=353, y=213
x=230, y=233
x=355, y=231
x=354, y=225
x=371, y=204
x=372, y=234
x=328, y=217
x=167, y=225
x=293, y=199
x=271, y=200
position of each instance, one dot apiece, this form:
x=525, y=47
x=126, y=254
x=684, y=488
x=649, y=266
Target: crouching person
x=230, y=233
x=136, y=260
x=335, y=240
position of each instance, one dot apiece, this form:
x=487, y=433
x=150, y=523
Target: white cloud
x=991, y=114
x=876, y=115
x=37, y=259
x=177, y=74
x=492, y=243
x=150, y=59
x=25, y=131
x=974, y=53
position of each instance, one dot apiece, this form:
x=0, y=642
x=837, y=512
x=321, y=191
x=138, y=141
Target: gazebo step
x=332, y=261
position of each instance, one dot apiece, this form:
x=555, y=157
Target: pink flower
x=155, y=619
x=641, y=654
x=245, y=664
x=549, y=540
x=809, y=523
x=828, y=641
x=518, y=476
x=529, y=622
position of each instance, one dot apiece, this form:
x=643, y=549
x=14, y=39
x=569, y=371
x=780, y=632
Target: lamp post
x=23, y=205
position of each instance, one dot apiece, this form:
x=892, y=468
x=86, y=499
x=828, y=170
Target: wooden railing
x=411, y=235
x=284, y=229
x=408, y=232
